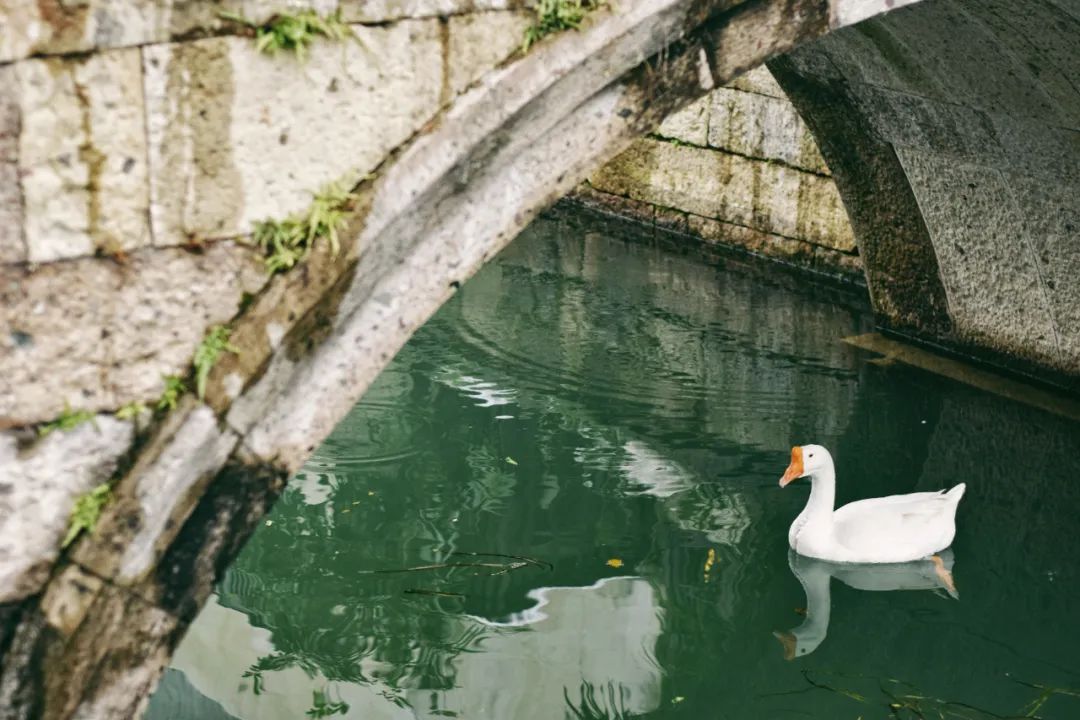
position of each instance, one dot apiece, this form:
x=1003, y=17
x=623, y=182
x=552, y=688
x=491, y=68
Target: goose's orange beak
x=795, y=469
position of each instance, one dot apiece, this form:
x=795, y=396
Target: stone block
x=1052, y=221
x=926, y=124
x=820, y=214
x=165, y=301
x=38, y=488
x=82, y=155
x=55, y=323
x=689, y=125
x=987, y=266
x=237, y=136
x=707, y=183
x=94, y=335
x=762, y=127
x=908, y=52
x=479, y=41
x=760, y=81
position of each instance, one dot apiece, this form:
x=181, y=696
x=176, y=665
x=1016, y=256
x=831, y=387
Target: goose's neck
x=822, y=495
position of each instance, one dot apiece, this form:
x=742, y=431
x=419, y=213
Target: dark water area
x=561, y=501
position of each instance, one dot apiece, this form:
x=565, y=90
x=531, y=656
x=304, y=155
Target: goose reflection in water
x=933, y=573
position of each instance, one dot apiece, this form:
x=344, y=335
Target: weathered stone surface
x=82, y=155
x=683, y=177
x=479, y=41
x=164, y=304
x=154, y=498
x=1053, y=223
x=92, y=334
x=54, y=335
x=760, y=81
x=237, y=137
x=768, y=197
x=69, y=598
x=689, y=125
x=373, y=11
x=821, y=259
x=762, y=127
x=110, y=664
x=38, y=487
x=996, y=298
x=12, y=244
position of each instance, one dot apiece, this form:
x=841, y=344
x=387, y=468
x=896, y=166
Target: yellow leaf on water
x=614, y=562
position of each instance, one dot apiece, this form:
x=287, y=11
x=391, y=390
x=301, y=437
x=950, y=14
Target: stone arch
x=951, y=128
x=95, y=638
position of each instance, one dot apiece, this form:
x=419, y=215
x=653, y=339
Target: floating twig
x=435, y=593
x=528, y=560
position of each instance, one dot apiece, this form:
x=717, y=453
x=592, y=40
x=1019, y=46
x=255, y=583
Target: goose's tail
x=956, y=493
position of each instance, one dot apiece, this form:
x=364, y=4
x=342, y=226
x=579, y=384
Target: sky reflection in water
x=621, y=415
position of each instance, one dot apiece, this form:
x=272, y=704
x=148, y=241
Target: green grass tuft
x=85, y=514
x=554, y=16
x=294, y=32
x=130, y=411
x=174, y=388
x=287, y=242
x=207, y=354
x=68, y=419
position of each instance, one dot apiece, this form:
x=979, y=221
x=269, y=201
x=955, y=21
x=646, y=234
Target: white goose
x=893, y=529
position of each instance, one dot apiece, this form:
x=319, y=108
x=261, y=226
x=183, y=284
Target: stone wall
x=133, y=176
x=738, y=168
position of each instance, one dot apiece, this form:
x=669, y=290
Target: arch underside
x=953, y=132
x=921, y=175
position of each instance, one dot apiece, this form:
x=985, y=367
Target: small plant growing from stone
x=554, y=16
x=294, y=32
x=85, y=514
x=286, y=242
x=174, y=388
x=67, y=420
x=207, y=354
x=131, y=411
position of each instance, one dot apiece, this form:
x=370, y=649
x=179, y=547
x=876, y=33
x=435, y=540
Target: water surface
x=560, y=501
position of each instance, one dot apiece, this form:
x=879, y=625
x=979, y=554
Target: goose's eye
x=811, y=455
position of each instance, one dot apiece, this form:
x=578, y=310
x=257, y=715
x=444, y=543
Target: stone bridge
x=142, y=144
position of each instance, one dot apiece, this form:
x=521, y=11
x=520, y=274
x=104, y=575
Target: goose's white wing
x=898, y=527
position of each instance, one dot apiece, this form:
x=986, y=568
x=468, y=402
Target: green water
x=618, y=416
